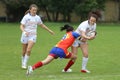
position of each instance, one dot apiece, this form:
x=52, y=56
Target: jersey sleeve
x=82, y=27
x=23, y=21
x=39, y=20
x=75, y=34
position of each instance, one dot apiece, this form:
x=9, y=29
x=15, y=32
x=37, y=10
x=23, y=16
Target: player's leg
x=72, y=57
x=74, y=50
x=84, y=48
x=43, y=62
x=24, y=41
x=29, y=47
x=39, y=64
x=24, y=47
x=28, y=51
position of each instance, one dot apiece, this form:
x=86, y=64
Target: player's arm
x=46, y=28
x=83, y=38
x=22, y=29
x=83, y=35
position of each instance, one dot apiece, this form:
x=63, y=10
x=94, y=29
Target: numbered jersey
x=67, y=41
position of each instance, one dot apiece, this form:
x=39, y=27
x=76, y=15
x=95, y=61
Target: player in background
x=29, y=32
x=60, y=50
x=83, y=29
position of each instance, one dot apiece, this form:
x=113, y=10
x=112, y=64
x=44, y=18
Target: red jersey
x=66, y=42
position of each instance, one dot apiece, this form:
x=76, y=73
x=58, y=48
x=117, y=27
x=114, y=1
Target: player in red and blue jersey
x=60, y=50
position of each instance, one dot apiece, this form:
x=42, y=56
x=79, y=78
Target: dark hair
x=32, y=5
x=67, y=28
x=96, y=14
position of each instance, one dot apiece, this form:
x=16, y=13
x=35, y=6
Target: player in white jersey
x=83, y=29
x=29, y=32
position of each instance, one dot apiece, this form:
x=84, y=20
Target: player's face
x=33, y=11
x=92, y=20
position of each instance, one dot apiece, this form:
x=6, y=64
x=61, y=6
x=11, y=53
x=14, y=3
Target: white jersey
x=30, y=23
x=84, y=26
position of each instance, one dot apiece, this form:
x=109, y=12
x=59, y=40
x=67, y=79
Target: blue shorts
x=57, y=52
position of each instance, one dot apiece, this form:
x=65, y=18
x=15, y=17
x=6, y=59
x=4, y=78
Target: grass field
x=104, y=54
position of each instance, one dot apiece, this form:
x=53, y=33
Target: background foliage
x=16, y=8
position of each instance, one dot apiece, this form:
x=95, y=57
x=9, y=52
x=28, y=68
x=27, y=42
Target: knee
x=85, y=55
x=28, y=51
x=74, y=57
x=24, y=52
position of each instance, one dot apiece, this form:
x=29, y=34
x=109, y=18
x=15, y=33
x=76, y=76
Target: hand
x=92, y=37
x=26, y=34
x=84, y=39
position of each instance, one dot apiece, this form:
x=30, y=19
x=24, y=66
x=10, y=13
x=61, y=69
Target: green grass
x=104, y=53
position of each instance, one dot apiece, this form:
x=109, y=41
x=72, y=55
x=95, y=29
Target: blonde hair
x=32, y=5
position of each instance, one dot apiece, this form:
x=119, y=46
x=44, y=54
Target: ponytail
x=96, y=14
x=28, y=11
x=67, y=28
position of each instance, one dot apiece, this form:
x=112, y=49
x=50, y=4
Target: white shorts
x=25, y=39
x=77, y=43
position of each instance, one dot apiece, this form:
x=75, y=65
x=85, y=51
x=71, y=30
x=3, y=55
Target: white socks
x=84, y=63
x=22, y=59
x=25, y=60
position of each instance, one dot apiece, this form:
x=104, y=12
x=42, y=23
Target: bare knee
x=74, y=57
x=28, y=51
x=85, y=55
x=47, y=60
x=23, y=52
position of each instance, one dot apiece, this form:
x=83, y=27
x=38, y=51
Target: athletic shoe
x=85, y=71
x=29, y=70
x=69, y=70
x=24, y=67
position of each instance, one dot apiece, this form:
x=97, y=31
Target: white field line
x=98, y=77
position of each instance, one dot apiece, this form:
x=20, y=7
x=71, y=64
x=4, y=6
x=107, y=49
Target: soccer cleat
x=69, y=70
x=85, y=71
x=29, y=70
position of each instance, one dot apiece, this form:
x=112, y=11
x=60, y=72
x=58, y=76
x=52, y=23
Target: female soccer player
x=83, y=29
x=60, y=50
x=29, y=32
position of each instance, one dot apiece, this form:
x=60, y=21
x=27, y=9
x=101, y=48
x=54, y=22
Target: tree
x=15, y=9
x=84, y=7
x=43, y=4
x=53, y=8
x=66, y=8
